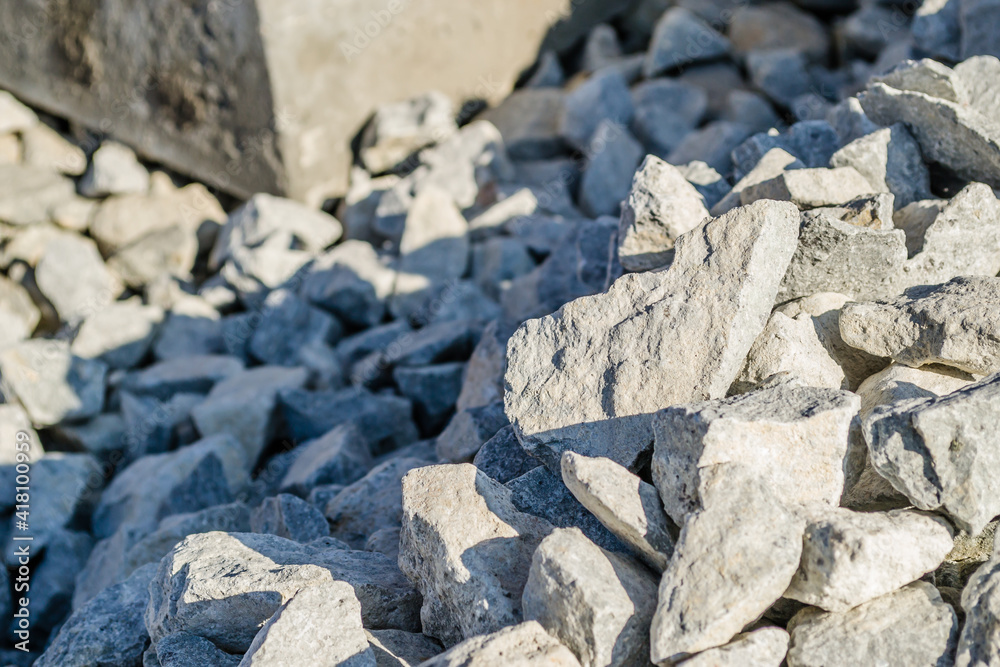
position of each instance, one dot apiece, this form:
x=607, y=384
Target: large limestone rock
x=524, y=645
x=765, y=647
x=467, y=549
x=912, y=626
x=795, y=438
x=943, y=452
x=588, y=377
x=265, y=96
x=597, y=603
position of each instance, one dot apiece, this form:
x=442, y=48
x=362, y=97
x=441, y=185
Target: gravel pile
x=686, y=353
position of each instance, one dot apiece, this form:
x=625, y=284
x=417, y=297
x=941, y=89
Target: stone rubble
x=686, y=352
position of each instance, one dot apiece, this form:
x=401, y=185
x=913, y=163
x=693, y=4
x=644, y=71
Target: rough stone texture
x=795, y=438
x=182, y=649
x=320, y=625
x=108, y=630
x=666, y=110
x=468, y=431
x=383, y=419
x=395, y=648
x=911, y=626
x=765, y=647
x=434, y=243
x=341, y=456
x=849, y=558
x=119, y=335
x=661, y=206
x=398, y=130
x=189, y=591
x=681, y=38
x=597, y=603
x=954, y=324
x=890, y=160
x=835, y=255
x=732, y=561
x=502, y=457
x=604, y=96
x=287, y=326
x=979, y=643
x=627, y=506
x=351, y=282
x=770, y=165
x=525, y=645
x=467, y=549
x=287, y=516
x=697, y=320
x=72, y=276
x=198, y=115
x=114, y=170
x=613, y=154
x=811, y=188
x=949, y=131
x=942, y=452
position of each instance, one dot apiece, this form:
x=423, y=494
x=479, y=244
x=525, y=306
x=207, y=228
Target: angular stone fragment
x=467, y=549
x=114, y=170
x=713, y=144
x=765, y=647
x=661, y=206
x=838, y=256
x=780, y=73
x=502, y=457
x=890, y=160
x=681, y=38
x=580, y=379
x=320, y=625
x=384, y=420
x=398, y=130
x=433, y=390
x=529, y=121
x=73, y=277
x=18, y=314
x=627, y=506
x=341, y=456
x=666, y=110
x=849, y=558
x=29, y=194
x=731, y=562
x=396, y=648
x=434, y=242
x=942, y=452
x=182, y=649
x=224, y=586
x=604, y=96
x=287, y=516
x=15, y=116
x=350, y=282
x=793, y=437
x=954, y=324
x=195, y=374
x=120, y=335
x=911, y=626
x=979, y=643
x=811, y=188
x=468, y=430
x=526, y=645
x=47, y=149
x=775, y=161
x=597, y=603
x=108, y=630
x=613, y=154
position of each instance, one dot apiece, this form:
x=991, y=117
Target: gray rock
x=400, y=129
x=385, y=541
x=661, y=206
x=502, y=457
x=167, y=252
x=320, y=625
x=795, y=438
x=436, y=343
x=291, y=517
x=108, y=630
x=780, y=73
x=244, y=405
x=777, y=26
x=526, y=644
x=528, y=119
x=433, y=391
x=612, y=156
x=114, y=170
x=952, y=324
x=351, y=282
x=979, y=643
x=187, y=592
x=707, y=181
x=666, y=110
x=713, y=144
x=120, y=335
x=354, y=348
x=106, y=564
x=936, y=30
x=890, y=160
x=341, y=456
x=977, y=20
x=811, y=188
x=849, y=558
x=812, y=141
x=470, y=566
x=627, y=506
x=911, y=626
x=396, y=648
x=949, y=132
x=732, y=561
x=750, y=109
x=18, y=314
x=182, y=649
x=72, y=276
x=434, y=243
x=770, y=165
x=497, y=261
x=287, y=324
x=372, y=503
x=849, y=120
x=29, y=194
x=681, y=38
x=765, y=647
x=184, y=375
x=53, y=579
x=468, y=431
x=604, y=96
x=597, y=603
x=543, y=494
x=207, y=473
x=553, y=363
x=834, y=255
x=384, y=420
x=940, y=452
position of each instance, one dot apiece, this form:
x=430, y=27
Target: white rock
x=18, y=314
x=810, y=188
x=849, y=558
x=588, y=377
x=72, y=275
x=14, y=116
x=467, y=549
x=398, y=130
x=114, y=170
x=434, y=242
x=47, y=149
x=661, y=206
x=120, y=335
x=523, y=645
x=627, y=506
x=765, y=647
x=911, y=626
x=773, y=163
x=597, y=603
x=979, y=643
